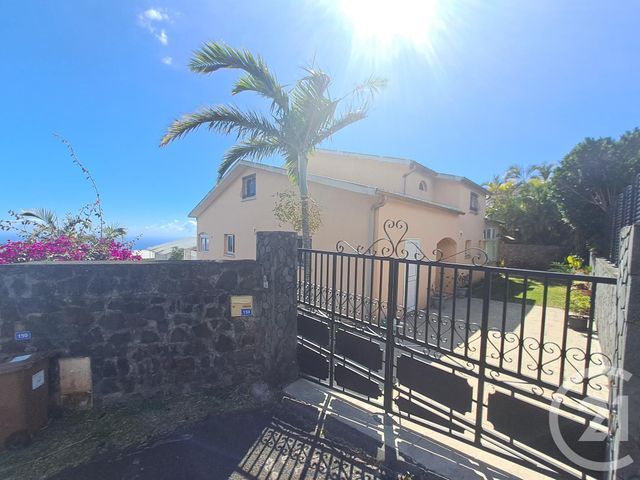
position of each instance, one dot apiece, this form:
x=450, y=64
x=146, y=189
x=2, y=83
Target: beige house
x=356, y=194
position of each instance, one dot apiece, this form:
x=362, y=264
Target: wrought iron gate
x=483, y=353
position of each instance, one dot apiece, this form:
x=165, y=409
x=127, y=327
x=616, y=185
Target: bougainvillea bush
x=83, y=236
x=65, y=248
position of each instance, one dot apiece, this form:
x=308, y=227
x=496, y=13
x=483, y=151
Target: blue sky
x=486, y=85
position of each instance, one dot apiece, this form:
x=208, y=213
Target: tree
x=45, y=223
x=543, y=171
x=80, y=236
x=299, y=118
x=176, y=254
x=287, y=210
x=527, y=207
x=520, y=174
x=589, y=178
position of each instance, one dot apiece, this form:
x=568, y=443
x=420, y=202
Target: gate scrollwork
x=394, y=244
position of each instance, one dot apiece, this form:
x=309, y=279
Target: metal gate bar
x=473, y=371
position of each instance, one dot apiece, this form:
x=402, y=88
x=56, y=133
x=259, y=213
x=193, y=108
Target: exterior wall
x=432, y=227
x=360, y=169
x=344, y=214
x=159, y=326
x=412, y=183
x=448, y=192
x=392, y=176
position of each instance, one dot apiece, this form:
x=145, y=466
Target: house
x=164, y=250
x=356, y=193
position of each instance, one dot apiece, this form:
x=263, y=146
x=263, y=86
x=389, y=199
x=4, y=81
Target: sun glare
x=381, y=24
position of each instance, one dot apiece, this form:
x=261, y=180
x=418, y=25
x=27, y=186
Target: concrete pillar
x=276, y=253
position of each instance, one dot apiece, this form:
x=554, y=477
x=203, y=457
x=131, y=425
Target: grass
x=514, y=289
x=78, y=437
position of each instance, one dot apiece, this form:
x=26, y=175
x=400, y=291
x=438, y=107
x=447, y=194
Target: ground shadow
x=291, y=440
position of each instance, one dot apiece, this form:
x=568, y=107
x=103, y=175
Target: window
x=490, y=234
x=249, y=186
x=467, y=249
x=474, y=203
x=229, y=244
x=422, y=186
x=203, y=242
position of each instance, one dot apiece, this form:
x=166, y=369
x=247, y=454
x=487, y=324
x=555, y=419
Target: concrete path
x=404, y=440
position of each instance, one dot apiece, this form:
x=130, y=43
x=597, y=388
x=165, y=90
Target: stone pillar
x=276, y=254
x=628, y=297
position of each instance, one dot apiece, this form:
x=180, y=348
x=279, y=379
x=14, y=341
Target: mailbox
x=242, y=306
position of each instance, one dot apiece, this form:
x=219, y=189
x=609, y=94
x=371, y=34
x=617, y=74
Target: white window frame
x=203, y=236
x=245, y=180
x=490, y=233
x=227, y=237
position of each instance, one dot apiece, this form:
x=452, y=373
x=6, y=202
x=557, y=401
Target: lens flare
x=383, y=25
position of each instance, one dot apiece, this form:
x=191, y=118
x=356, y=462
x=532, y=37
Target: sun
x=382, y=24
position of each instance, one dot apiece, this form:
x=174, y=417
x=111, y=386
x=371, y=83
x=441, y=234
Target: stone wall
x=150, y=326
x=536, y=257
x=608, y=325
x=619, y=337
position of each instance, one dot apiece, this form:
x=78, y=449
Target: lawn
x=513, y=290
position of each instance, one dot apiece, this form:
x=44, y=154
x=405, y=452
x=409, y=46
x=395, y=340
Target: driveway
x=291, y=440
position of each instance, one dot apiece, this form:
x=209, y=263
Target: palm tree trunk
x=304, y=200
x=304, y=206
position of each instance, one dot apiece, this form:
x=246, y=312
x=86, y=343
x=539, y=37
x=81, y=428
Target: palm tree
x=299, y=118
x=493, y=186
x=543, y=171
x=520, y=174
x=46, y=223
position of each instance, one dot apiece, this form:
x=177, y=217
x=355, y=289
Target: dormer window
x=249, y=186
x=422, y=186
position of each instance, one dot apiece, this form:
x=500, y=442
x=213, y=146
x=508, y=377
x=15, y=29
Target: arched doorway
x=445, y=276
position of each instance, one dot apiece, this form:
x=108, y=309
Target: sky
x=474, y=86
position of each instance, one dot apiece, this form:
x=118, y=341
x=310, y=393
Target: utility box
x=241, y=306
x=76, y=384
x=24, y=399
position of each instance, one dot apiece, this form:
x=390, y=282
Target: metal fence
x=626, y=211
x=484, y=354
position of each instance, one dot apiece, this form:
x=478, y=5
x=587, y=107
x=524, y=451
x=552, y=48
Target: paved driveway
x=292, y=441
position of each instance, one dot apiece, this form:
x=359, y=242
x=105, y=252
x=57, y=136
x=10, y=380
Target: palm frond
x=224, y=119
x=114, y=231
x=368, y=89
x=45, y=216
x=291, y=165
x=254, y=149
x=338, y=124
x=311, y=91
x=214, y=56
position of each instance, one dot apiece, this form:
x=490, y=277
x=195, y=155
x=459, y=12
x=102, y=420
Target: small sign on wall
x=37, y=380
x=23, y=336
x=241, y=306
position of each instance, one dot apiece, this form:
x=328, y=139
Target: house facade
x=356, y=193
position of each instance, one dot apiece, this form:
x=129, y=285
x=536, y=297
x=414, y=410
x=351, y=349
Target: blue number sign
x=23, y=336
x=246, y=312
